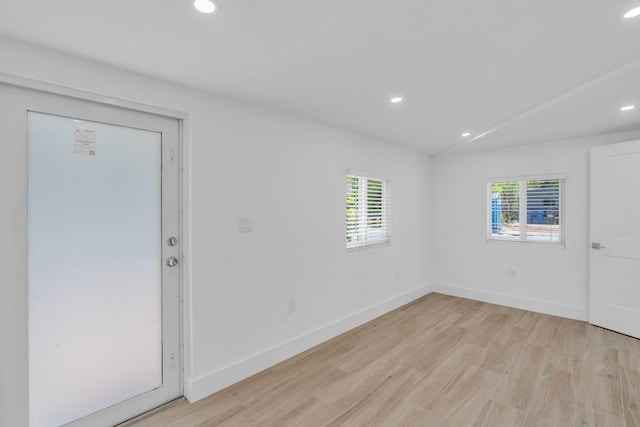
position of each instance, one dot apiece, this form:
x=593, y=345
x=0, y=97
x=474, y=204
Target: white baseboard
x=199, y=388
x=539, y=306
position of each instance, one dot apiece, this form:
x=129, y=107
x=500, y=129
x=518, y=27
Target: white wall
x=288, y=176
x=547, y=279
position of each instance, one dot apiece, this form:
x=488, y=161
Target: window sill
x=561, y=245
x=386, y=242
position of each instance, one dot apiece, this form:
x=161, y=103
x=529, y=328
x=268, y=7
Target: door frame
x=14, y=403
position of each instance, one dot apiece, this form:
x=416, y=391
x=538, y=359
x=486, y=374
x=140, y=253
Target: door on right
x=614, y=297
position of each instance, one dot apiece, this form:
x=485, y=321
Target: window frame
x=385, y=209
x=523, y=203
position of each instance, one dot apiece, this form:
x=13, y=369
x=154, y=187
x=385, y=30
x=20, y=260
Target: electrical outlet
x=292, y=306
x=512, y=274
x=397, y=273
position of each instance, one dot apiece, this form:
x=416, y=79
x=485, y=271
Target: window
x=526, y=209
x=367, y=210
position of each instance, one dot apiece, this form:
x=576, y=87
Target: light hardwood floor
x=439, y=361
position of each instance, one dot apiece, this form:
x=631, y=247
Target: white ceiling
x=508, y=71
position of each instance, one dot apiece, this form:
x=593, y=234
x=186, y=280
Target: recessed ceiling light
x=628, y=108
x=466, y=134
x=395, y=100
x=632, y=13
x=205, y=6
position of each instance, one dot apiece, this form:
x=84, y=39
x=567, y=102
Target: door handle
x=596, y=245
x=172, y=261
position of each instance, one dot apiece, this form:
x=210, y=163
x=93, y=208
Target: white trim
x=531, y=304
x=186, y=259
x=367, y=174
x=537, y=243
x=527, y=178
x=57, y=89
x=230, y=374
x=371, y=244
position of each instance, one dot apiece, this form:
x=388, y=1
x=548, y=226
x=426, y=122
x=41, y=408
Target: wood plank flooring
x=439, y=361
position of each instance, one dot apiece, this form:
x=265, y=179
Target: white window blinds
x=526, y=209
x=367, y=215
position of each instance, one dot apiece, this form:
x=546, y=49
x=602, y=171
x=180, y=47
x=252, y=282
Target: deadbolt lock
x=172, y=241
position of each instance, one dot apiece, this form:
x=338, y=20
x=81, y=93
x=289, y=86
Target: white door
x=96, y=247
x=615, y=238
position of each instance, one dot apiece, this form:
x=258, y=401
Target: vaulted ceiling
x=508, y=72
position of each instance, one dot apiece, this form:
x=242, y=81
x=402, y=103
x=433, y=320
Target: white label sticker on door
x=84, y=142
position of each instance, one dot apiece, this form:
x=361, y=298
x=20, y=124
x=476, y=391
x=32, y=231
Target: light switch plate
x=245, y=224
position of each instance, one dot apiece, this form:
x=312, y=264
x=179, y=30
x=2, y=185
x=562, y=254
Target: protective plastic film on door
x=95, y=266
